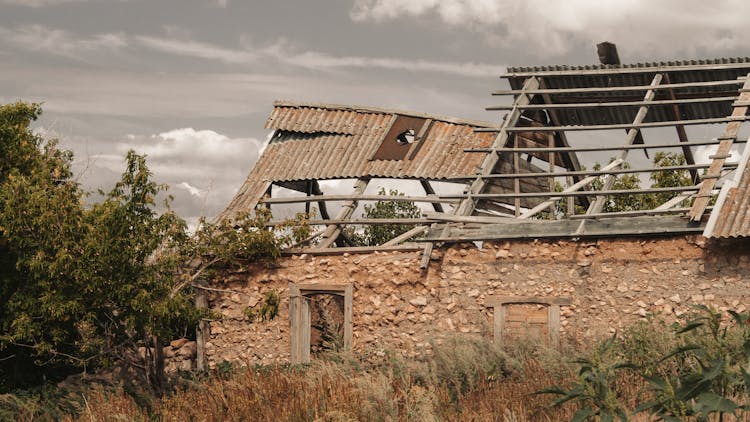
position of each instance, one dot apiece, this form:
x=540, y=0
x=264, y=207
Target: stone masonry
x=397, y=306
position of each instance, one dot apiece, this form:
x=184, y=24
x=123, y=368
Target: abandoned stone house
x=531, y=245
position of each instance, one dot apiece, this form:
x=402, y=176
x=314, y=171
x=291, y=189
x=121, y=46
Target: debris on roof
x=522, y=177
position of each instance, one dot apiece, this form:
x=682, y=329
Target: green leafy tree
x=617, y=203
x=379, y=234
x=667, y=178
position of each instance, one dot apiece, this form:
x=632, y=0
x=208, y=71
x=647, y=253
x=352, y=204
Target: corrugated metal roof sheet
x=318, y=142
x=647, y=66
x=734, y=214
x=640, y=74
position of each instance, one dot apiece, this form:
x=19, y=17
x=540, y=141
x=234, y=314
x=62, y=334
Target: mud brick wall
x=608, y=284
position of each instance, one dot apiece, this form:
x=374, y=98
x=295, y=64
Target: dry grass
x=465, y=380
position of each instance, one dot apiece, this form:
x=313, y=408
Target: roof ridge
x=381, y=110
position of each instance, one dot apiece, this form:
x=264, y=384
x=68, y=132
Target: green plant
x=595, y=389
x=378, y=234
x=715, y=362
x=266, y=310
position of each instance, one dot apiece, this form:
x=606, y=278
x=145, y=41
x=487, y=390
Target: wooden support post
x=429, y=191
x=730, y=134
x=516, y=182
x=348, y=309
x=553, y=324
x=268, y=194
x=332, y=232
x=202, y=332
x=551, y=161
x=321, y=204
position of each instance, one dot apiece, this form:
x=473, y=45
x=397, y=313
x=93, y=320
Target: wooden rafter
x=598, y=203
x=722, y=153
x=466, y=206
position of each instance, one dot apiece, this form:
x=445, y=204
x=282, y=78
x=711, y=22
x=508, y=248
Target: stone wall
x=396, y=306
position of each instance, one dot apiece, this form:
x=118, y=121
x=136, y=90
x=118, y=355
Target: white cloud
x=204, y=167
x=197, y=49
x=191, y=189
x=641, y=26
x=322, y=61
x=43, y=3
x=287, y=54
x=60, y=42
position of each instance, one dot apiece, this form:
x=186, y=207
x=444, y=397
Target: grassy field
x=464, y=379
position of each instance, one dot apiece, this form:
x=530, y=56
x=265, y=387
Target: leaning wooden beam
x=568, y=106
x=450, y=218
x=490, y=161
x=730, y=134
x=359, y=221
x=677, y=199
x=667, y=123
x=395, y=198
x=572, y=188
x=605, y=148
x=554, y=91
x=598, y=204
x=356, y=249
x=332, y=232
x=416, y=231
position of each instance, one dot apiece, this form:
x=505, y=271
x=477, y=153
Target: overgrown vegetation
x=692, y=370
x=702, y=374
x=378, y=234
x=660, y=178
x=90, y=287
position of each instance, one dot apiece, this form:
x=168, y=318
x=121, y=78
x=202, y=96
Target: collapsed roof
x=522, y=177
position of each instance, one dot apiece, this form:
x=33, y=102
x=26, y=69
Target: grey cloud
x=641, y=26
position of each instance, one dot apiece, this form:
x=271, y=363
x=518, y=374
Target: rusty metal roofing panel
x=637, y=67
x=734, y=214
x=318, y=142
x=637, y=75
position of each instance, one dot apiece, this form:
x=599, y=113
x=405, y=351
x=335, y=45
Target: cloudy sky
x=190, y=82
